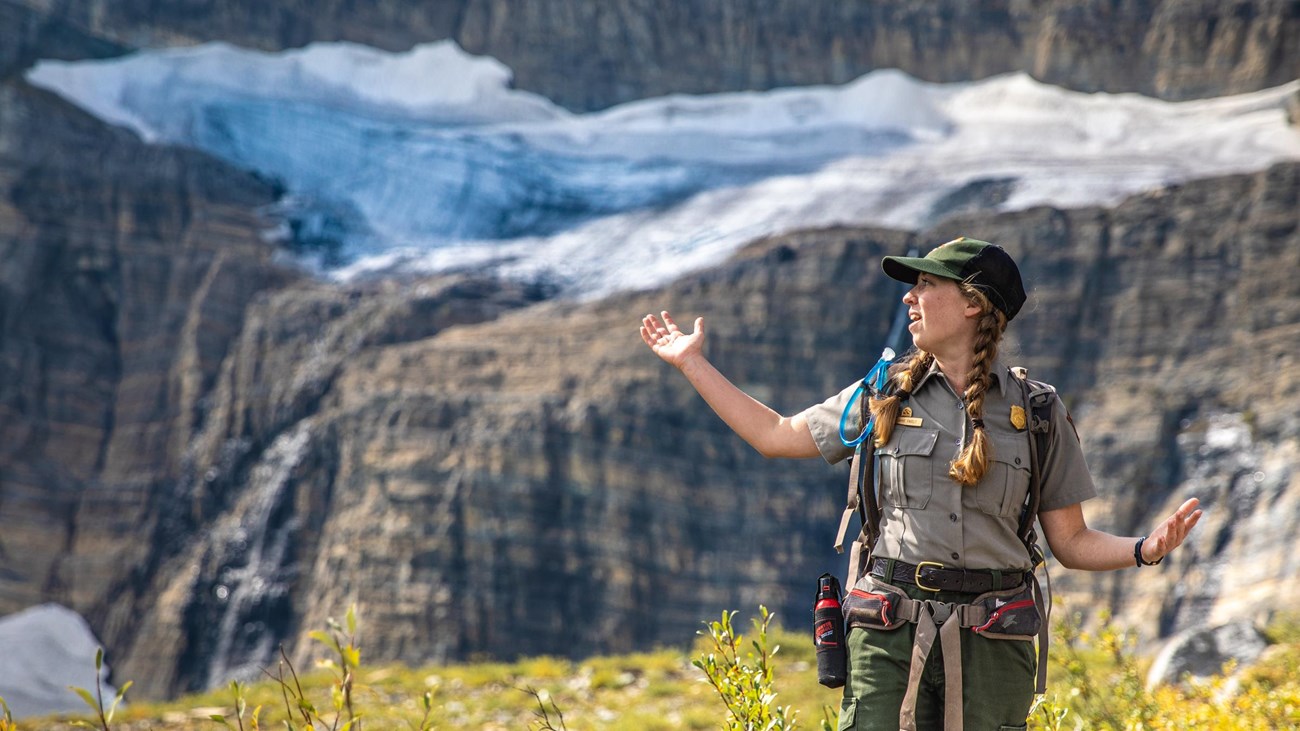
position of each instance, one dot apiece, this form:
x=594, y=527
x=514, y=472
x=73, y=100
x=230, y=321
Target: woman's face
x=942, y=317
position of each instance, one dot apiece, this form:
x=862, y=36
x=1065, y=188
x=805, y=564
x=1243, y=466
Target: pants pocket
x=848, y=714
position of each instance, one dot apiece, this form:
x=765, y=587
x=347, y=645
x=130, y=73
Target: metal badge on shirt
x=1018, y=417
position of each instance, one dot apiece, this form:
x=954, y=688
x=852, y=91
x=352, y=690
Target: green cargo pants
x=997, y=678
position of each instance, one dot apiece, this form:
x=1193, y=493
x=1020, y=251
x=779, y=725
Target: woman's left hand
x=1170, y=534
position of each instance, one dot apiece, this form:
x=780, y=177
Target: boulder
x=1201, y=652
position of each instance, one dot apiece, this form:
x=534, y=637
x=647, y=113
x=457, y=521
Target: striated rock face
x=266, y=472
x=518, y=478
x=124, y=273
x=592, y=54
x=1175, y=318
x=205, y=454
x=30, y=35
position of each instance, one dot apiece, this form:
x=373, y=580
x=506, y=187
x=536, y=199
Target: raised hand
x=669, y=342
x=1170, y=534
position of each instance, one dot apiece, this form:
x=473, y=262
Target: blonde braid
x=973, y=462
x=885, y=411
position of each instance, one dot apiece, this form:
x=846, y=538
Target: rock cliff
x=126, y=270
x=205, y=453
x=485, y=473
x=592, y=54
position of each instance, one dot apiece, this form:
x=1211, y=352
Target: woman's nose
x=910, y=297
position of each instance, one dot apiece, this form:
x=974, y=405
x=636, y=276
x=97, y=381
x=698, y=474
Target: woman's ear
x=972, y=310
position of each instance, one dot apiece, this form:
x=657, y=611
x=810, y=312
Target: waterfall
x=253, y=549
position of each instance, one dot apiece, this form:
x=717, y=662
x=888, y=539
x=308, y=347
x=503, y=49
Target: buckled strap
x=968, y=615
x=949, y=640
x=934, y=577
x=944, y=620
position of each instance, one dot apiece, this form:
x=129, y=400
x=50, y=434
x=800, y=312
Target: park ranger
x=948, y=570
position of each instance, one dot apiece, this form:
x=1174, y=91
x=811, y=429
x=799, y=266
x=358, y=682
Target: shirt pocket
x=906, y=468
x=1004, y=487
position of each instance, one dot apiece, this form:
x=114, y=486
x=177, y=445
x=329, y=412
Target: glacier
x=429, y=160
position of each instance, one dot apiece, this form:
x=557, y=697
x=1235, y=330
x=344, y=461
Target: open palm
x=669, y=342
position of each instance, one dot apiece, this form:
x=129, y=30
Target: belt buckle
x=916, y=576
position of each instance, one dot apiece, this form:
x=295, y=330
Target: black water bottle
x=828, y=633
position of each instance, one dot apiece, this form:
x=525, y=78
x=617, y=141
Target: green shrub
x=1098, y=684
x=744, y=683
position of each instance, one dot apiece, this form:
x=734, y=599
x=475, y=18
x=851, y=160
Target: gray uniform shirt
x=925, y=515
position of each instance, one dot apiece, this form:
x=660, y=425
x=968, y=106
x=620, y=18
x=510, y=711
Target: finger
x=1175, y=535
x=1175, y=520
x=672, y=324
x=1178, y=536
x=1176, y=528
x=699, y=326
x=1177, y=532
x=1172, y=540
x=656, y=327
x=1186, y=508
x=645, y=335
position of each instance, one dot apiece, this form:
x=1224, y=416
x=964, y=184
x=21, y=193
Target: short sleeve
x=824, y=422
x=1065, y=476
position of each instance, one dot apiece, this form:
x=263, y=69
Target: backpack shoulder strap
x=861, y=496
x=1039, y=400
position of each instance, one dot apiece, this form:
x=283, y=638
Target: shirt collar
x=999, y=373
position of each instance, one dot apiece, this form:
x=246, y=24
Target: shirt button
x=1017, y=460
x=952, y=517
x=955, y=556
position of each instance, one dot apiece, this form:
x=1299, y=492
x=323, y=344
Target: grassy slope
x=1095, y=679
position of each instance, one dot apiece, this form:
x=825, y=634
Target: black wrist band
x=1137, y=554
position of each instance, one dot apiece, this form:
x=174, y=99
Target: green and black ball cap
x=988, y=267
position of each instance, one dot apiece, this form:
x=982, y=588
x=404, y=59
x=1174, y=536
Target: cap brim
x=905, y=268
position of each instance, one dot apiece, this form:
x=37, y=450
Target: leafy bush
x=745, y=683
x=1099, y=685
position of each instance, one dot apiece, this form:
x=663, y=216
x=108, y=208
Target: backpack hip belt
x=1007, y=614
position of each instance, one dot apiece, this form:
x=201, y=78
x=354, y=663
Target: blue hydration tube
x=875, y=380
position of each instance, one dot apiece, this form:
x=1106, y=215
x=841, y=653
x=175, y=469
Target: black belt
x=932, y=576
